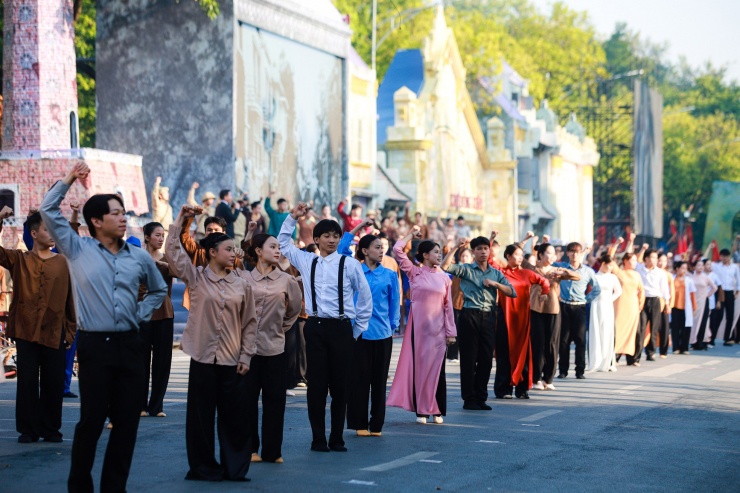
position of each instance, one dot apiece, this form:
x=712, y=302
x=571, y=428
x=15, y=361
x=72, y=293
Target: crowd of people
x=282, y=297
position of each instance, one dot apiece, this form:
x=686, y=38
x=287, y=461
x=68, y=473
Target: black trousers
x=216, y=389
x=111, y=377
x=453, y=350
x=295, y=349
x=40, y=389
x=729, y=307
x=679, y=332
x=545, y=336
x=572, y=329
x=502, y=384
x=328, y=351
x=658, y=320
x=476, y=335
x=157, y=336
x=371, y=360
x=267, y=375
x=702, y=331
x=715, y=318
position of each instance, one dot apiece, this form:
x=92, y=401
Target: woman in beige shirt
x=545, y=321
x=220, y=337
x=277, y=298
x=157, y=333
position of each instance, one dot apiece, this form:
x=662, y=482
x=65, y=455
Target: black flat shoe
x=70, y=395
x=471, y=406
x=54, y=439
x=319, y=447
x=26, y=438
x=484, y=406
x=524, y=395
x=650, y=358
x=562, y=375
x=581, y=377
x=337, y=448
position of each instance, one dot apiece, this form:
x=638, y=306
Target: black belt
x=103, y=333
x=479, y=310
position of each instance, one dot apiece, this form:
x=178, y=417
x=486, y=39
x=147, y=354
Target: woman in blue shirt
x=372, y=351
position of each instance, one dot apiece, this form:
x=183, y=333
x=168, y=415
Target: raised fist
x=6, y=212
x=252, y=226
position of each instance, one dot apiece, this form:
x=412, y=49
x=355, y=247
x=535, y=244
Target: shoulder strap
x=313, y=287
x=340, y=288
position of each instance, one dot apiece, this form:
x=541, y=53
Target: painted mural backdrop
x=289, y=118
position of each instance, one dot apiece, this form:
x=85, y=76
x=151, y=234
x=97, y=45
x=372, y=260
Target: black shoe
x=319, y=447
x=581, y=377
x=650, y=358
x=26, y=438
x=524, y=395
x=54, y=439
x=562, y=375
x=729, y=343
x=70, y=395
x=338, y=448
x=484, y=406
x=471, y=406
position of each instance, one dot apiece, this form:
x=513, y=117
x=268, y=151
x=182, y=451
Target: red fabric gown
x=516, y=315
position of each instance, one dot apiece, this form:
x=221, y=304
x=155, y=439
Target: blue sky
x=699, y=30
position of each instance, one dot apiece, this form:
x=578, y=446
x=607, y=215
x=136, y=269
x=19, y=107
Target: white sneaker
x=549, y=386
x=538, y=386
x=421, y=421
x=438, y=420
x=453, y=361
x=290, y=393
x=301, y=385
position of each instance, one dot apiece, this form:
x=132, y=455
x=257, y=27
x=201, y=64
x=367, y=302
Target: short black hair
x=255, y=204
x=33, y=222
x=355, y=206
x=650, y=251
x=382, y=235
x=326, y=226
x=724, y=252
x=215, y=219
x=223, y=193
x=606, y=259
x=281, y=200
x=572, y=246
x=479, y=241
x=425, y=246
x=460, y=218
x=96, y=207
x=677, y=264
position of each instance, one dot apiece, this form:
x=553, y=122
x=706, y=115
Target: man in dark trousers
x=227, y=210
x=42, y=323
x=107, y=273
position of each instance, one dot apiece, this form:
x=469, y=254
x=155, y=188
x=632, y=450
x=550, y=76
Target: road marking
x=626, y=390
x=539, y=416
x=528, y=424
x=733, y=376
x=712, y=362
x=489, y=441
x=431, y=461
x=667, y=370
x=361, y=483
x=403, y=461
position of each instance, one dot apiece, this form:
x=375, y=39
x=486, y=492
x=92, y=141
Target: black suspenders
x=340, y=287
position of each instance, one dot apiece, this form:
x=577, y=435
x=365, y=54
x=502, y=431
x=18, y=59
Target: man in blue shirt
x=573, y=313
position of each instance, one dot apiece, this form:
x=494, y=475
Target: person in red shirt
x=353, y=219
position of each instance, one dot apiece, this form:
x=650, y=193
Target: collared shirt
x=477, y=296
x=386, y=303
x=575, y=291
x=106, y=285
x=729, y=275
x=42, y=306
x=388, y=262
x=277, y=303
x=327, y=279
x=655, y=282
x=551, y=303
x=222, y=326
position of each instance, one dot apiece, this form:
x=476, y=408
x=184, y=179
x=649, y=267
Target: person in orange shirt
x=684, y=306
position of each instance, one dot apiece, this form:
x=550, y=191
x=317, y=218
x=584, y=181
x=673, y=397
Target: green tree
x=85, y=29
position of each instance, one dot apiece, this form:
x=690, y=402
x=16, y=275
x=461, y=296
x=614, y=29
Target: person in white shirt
x=656, y=288
x=729, y=275
x=715, y=303
x=328, y=331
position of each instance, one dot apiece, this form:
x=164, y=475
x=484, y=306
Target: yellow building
x=431, y=140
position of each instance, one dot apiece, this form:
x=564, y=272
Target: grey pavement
x=671, y=425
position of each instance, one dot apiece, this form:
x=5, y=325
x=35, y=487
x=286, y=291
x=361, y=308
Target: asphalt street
x=671, y=425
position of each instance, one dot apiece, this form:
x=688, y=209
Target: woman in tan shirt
x=220, y=337
x=545, y=321
x=277, y=298
x=158, y=332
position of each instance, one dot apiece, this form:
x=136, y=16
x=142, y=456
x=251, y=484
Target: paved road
x=672, y=425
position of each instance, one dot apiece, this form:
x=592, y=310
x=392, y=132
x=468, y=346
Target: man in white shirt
x=329, y=333
x=729, y=276
x=656, y=288
x=715, y=302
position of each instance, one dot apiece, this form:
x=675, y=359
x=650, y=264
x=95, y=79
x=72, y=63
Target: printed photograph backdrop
x=289, y=119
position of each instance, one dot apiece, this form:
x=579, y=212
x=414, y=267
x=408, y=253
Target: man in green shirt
x=477, y=323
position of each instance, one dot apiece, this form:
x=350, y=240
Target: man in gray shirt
x=106, y=274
